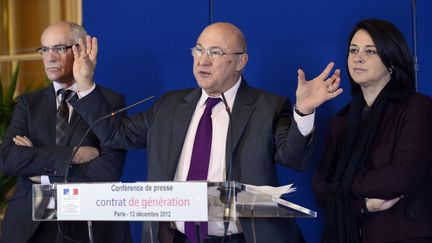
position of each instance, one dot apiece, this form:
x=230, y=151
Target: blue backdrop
x=145, y=50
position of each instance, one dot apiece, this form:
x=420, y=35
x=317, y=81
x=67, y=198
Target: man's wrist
x=82, y=94
x=300, y=113
x=84, y=85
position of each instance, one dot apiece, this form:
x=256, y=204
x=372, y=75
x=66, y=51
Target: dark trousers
x=45, y=233
x=48, y=232
x=179, y=237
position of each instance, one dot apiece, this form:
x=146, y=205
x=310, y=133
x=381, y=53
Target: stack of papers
x=271, y=190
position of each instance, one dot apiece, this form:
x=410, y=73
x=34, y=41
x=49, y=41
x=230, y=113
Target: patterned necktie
x=200, y=160
x=62, y=116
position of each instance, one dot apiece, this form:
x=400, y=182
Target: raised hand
x=85, y=62
x=311, y=94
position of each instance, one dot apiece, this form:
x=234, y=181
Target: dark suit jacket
x=400, y=163
x=264, y=133
x=35, y=117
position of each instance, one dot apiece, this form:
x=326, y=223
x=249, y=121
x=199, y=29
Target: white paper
x=273, y=191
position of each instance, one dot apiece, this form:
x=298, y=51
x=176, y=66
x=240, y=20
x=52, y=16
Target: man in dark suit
x=38, y=144
x=263, y=130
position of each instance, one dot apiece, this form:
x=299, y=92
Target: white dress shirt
x=220, y=122
x=44, y=178
x=216, y=172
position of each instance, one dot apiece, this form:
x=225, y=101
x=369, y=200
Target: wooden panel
x=22, y=25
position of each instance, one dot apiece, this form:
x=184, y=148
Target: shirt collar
x=229, y=95
x=57, y=87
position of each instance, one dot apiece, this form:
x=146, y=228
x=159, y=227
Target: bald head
x=227, y=33
x=217, y=73
x=71, y=31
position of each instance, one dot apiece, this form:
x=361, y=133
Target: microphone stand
x=226, y=190
x=75, y=150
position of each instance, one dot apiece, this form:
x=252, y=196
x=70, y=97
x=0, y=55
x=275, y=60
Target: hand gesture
x=85, y=62
x=311, y=94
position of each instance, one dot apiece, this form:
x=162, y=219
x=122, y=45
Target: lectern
x=159, y=201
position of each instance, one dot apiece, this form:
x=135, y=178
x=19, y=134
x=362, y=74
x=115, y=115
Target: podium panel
x=159, y=201
x=139, y=201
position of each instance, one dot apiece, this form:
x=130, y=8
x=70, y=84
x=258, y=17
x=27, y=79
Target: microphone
x=75, y=150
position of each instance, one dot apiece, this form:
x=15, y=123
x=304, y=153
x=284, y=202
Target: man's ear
x=242, y=60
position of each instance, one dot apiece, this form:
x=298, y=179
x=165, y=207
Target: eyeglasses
x=212, y=53
x=58, y=49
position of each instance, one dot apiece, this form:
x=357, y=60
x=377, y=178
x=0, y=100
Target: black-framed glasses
x=58, y=49
x=212, y=53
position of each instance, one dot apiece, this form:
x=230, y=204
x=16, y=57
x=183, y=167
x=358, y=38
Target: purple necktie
x=200, y=160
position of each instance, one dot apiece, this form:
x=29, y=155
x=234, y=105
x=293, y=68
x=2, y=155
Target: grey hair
x=76, y=32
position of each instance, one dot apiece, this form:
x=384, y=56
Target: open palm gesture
x=311, y=94
x=85, y=62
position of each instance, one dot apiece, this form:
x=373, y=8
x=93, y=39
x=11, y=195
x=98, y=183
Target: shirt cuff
x=305, y=123
x=82, y=94
x=45, y=180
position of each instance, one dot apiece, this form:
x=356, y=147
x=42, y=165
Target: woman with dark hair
x=375, y=175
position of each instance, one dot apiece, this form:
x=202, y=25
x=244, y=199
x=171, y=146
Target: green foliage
x=7, y=104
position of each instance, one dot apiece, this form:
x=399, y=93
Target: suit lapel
x=49, y=101
x=182, y=117
x=242, y=110
x=50, y=113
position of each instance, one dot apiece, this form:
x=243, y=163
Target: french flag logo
x=70, y=191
